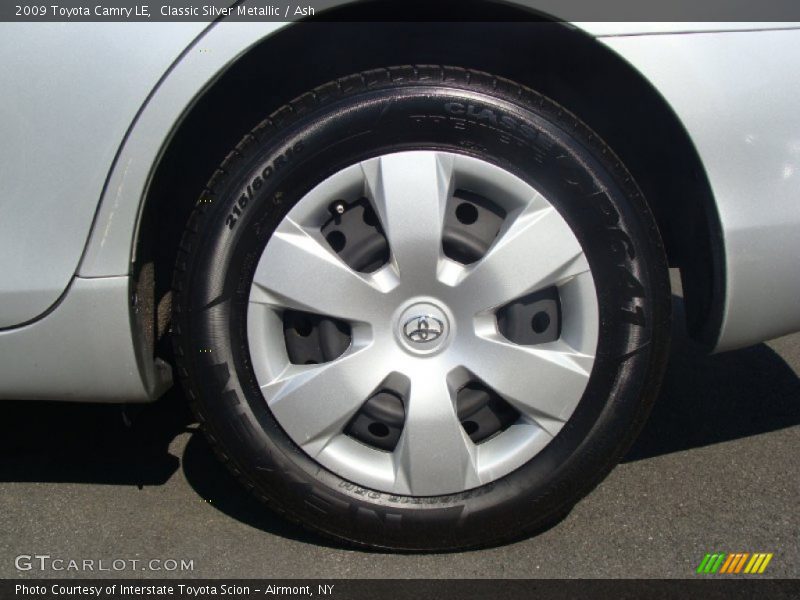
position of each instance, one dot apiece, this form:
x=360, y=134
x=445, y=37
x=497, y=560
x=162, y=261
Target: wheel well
x=553, y=58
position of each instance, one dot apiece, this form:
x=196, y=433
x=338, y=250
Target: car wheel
x=421, y=308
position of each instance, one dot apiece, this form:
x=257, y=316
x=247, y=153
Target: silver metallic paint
x=69, y=93
x=55, y=157
x=83, y=350
x=737, y=95
x=678, y=65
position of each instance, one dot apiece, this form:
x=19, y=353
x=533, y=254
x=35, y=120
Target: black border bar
x=751, y=11
x=403, y=589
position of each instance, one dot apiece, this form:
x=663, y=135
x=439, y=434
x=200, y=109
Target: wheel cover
x=425, y=330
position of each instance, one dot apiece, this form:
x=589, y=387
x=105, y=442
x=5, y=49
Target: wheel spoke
x=544, y=382
x=314, y=403
x=409, y=191
x=299, y=271
x=434, y=452
x=535, y=250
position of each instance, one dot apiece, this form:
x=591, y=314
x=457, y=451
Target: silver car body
x=87, y=110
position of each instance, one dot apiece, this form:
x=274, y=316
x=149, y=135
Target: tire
x=466, y=118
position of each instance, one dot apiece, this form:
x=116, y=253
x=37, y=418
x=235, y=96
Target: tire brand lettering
x=487, y=115
x=622, y=250
x=280, y=162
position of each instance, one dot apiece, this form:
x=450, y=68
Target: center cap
x=423, y=328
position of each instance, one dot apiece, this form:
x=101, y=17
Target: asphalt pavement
x=716, y=469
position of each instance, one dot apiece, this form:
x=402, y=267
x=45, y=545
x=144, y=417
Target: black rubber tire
x=421, y=107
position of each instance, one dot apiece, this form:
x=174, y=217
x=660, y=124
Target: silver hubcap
x=423, y=325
